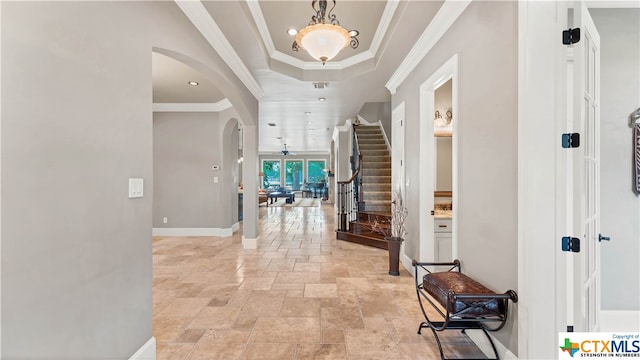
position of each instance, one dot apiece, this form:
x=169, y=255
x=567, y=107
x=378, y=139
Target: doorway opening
x=438, y=163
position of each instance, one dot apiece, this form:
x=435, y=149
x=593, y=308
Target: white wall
x=485, y=39
x=620, y=208
x=77, y=123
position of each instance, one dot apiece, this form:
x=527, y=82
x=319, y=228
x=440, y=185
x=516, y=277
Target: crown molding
x=202, y=20
x=221, y=105
x=357, y=59
x=613, y=4
x=305, y=65
x=383, y=25
x=381, y=30
x=261, y=23
x=446, y=16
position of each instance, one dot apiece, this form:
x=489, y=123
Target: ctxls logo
x=570, y=347
x=607, y=345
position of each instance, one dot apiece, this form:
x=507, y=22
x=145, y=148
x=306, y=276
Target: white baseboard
x=406, y=263
x=619, y=320
x=235, y=227
x=477, y=336
x=192, y=232
x=249, y=243
x=146, y=352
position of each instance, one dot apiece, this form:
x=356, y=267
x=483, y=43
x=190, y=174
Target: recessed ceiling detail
x=371, y=18
x=287, y=92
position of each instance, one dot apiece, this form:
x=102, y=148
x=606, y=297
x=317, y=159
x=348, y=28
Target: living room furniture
x=465, y=303
x=263, y=197
x=288, y=195
x=318, y=188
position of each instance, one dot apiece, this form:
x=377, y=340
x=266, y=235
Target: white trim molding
x=219, y=106
x=235, y=227
x=477, y=336
x=0, y=184
x=146, y=352
x=619, y=320
x=445, y=17
x=448, y=70
x=613, y=4
x=202, y=20
x=249, y=243
x=407, y=263
x=192, y=232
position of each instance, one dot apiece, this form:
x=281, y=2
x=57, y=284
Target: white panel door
x=586, y=191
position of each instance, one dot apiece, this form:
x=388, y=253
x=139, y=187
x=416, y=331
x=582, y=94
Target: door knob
x=603, y=238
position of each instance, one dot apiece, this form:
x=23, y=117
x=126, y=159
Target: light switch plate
x=136, y=188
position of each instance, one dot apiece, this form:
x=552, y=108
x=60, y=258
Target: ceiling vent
x=320, y=84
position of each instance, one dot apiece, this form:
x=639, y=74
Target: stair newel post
x=342, y=199
x=359, y=195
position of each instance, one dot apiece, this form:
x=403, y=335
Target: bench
x=462, y=302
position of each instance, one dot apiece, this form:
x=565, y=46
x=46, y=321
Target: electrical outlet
x=165, y=220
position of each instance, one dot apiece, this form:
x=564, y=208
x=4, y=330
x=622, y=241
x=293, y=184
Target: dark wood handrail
x=357, y=172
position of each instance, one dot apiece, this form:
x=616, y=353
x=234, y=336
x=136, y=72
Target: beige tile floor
x=301, y=295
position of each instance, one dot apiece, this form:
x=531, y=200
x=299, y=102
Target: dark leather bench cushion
x=439, y=284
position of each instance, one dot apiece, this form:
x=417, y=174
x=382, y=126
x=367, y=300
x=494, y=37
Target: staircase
x=376, y=168
x=376, y=189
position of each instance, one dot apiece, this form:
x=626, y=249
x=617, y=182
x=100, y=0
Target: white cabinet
x=443, y=240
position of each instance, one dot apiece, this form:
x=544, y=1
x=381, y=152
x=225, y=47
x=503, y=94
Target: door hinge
x=570, y=244
x=569, y=328
x=570, y=140
x=570, y=36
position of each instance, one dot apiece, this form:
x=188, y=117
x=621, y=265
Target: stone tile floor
x=301, y=295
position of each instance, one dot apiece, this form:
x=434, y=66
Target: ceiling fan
x=285, y=151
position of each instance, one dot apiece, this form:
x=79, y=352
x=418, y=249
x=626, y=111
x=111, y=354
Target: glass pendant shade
x=323, y=41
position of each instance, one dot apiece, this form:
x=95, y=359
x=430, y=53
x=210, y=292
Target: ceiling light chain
x=321, y=40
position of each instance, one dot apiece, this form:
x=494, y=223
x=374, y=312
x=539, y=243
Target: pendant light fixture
x=323, y=38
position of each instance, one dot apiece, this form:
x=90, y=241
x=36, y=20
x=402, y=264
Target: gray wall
x=485, y=39
x=378, y=111
x=185, y=146
x=76, y=124
x=444, y=163
x=344, y=152
x=620, y=208
x=443, y=101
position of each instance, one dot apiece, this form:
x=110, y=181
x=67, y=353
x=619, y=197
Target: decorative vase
x=393, y=244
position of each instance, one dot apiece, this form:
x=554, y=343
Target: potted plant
x=394, y=230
